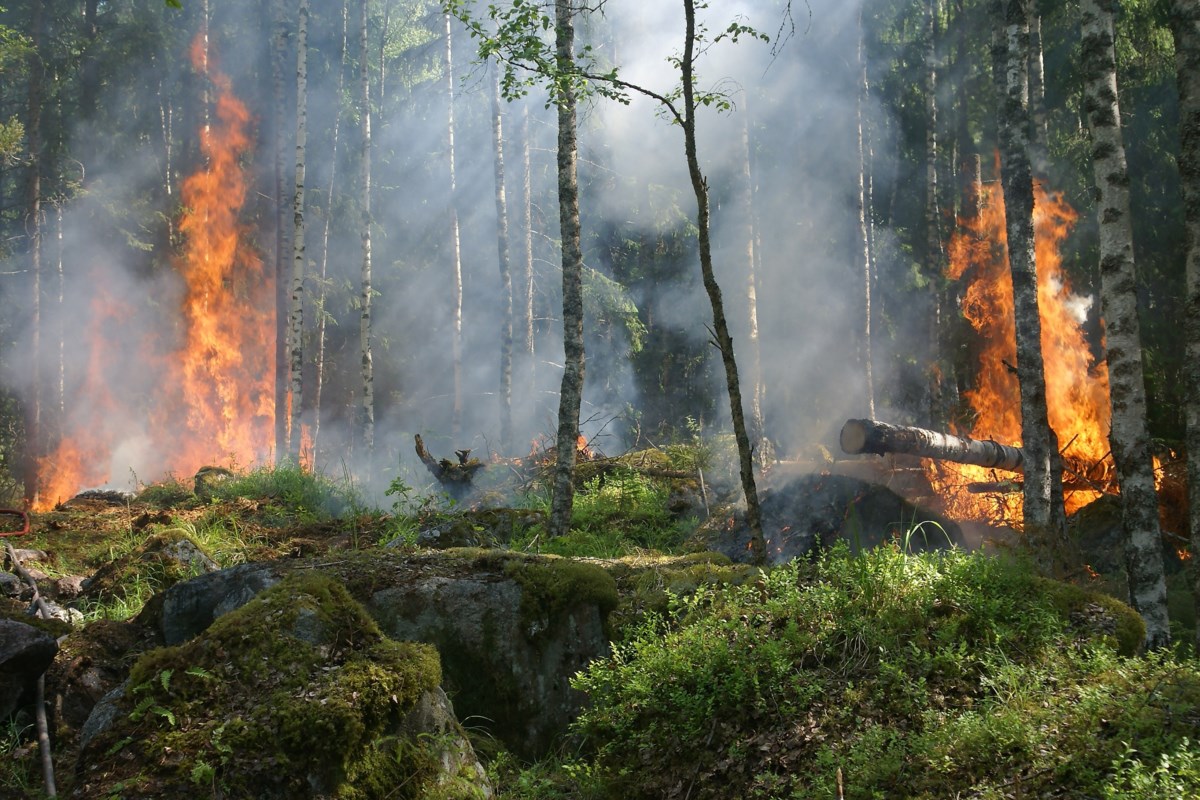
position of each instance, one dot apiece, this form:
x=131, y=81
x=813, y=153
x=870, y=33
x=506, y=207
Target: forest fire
x=212, y=394
x=1076, y=381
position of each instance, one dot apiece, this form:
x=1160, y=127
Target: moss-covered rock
x=296, y=694
x=511, y=630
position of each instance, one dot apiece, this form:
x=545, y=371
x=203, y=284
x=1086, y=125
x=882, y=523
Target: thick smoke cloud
x=798, y=98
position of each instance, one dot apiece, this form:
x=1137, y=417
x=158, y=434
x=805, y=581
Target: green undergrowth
x=294, y=493
x=613, y=515
x=930, y=676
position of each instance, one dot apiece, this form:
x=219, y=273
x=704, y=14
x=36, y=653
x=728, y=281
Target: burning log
x=871, y=436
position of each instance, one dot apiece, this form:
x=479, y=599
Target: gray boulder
x=25, y=654
x=189, y=607
x=511, y=632
x=810, y=513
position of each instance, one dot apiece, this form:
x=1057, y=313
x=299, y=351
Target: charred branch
x=871, y=436
x=455, y=478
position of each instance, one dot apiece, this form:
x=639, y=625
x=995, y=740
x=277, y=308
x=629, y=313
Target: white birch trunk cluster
x=1130, y=438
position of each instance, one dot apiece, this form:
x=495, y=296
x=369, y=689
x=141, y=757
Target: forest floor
x=858, y=676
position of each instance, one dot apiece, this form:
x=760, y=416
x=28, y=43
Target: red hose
x=24, y=517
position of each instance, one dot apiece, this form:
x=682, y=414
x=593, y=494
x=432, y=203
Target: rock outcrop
x=297, y=694
x=25, y=653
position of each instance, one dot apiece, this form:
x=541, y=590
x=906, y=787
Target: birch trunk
x=296, y=321
x=713, y=289
x=1129, y=436
x=456, y=297
x=1039, y=152
x=279, y=270
x=571, y=392
x=1185, y=25
x=321, y=313
x=527, y=252
x=863, y=233
x=506, y=290
x=933, y=233
x=33, y=222
x=1043, y=483
x=367, y=406
x=758, y=427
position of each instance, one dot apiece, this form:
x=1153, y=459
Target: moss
x=54, y=627
x=1118, y=622
x=646, y=583
x=297, y=693
x=552, y=586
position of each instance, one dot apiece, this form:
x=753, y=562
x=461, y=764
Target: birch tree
x=1130, y=437
x=456, y=276
x=33, y=206
x=296, y=311
x=1185, y=28
x=367, y=402
x=281, y=274
x=517, y=45
x=864, y=243
x=506, y=288
x=322, y=314
x=528, y=59
x=933, y=234
x=1043, y=512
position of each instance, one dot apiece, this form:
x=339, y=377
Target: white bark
x=571, y=392
x=321, y=313
x=864, y=234
x=455, y=245
x=367, y=405
x=1043, y=483
x=296, y=310
x=506, y=290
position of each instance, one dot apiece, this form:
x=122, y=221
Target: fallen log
x=871, y=436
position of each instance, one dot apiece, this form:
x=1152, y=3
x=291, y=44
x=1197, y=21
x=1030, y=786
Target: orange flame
x=213, y=394
x=1076, y=383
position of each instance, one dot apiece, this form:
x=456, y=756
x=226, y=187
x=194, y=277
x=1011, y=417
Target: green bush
x=295, y=491
x=912, y=676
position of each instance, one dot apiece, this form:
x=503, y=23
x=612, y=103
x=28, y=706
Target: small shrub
x=914, y=676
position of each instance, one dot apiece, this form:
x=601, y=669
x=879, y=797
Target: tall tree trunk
x=456, y=288
x=529, y=347
x=320, y=307
x=1185, y=25
x=33, y=224
x=367, y=404
x=1039, y=152
x=713, y=289
x=279, y=270
x=933, y=234
x=570, y=395
x=506, y=289
x=296, y=321
x=1129, y=437
x=758, y=432
x=1045, y=520
x=864, y=234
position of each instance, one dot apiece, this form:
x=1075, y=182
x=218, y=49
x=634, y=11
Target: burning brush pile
x=975, y=476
